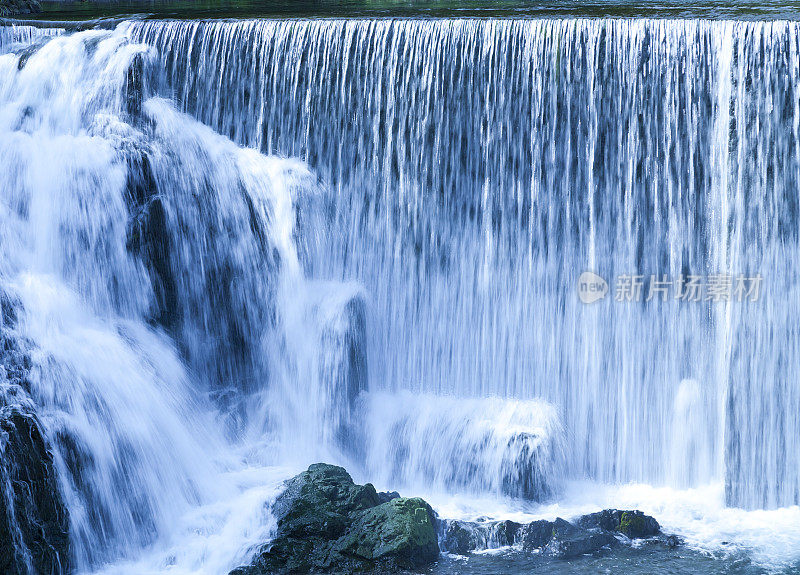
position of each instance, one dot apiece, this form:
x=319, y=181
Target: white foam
x=770, y=537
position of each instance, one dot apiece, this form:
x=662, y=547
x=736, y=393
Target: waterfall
x=235, y=248
x=153, y=273
x=475, y=168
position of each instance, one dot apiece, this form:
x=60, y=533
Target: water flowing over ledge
x=477, y=167
x=23, y=35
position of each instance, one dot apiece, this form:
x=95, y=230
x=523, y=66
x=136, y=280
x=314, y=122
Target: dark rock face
x=536, y=534
x=34, y=524
x=458, y=538
x=328, y=524
x=607, y=519
x=563, y=539
x=13, y=7
x=33, y=520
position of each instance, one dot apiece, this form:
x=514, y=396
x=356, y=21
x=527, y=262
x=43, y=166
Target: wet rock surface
x=587, y=535
x=462, y=537
x=34, y=523
x=632, y=524
x=328, y=524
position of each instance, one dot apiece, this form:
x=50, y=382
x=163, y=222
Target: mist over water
x=240, y=247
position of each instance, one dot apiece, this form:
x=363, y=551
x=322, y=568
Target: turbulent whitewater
x=236, y=246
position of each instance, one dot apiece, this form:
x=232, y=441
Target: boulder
x=398, y=533
x=588, y=534
x=505, y=532
x=563, y=539
x=536, y=534
x=568, y=541
x=632, y=524
x=637, y=525
x=607, y=519
x=560, y=538
x=328, y=524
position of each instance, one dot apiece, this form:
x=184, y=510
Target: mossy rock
x=633, y=524
x=402, y=530
x=637, y=525
x=328, y=524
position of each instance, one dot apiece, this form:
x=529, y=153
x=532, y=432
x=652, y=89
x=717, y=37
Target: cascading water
x=146, y=257
x=478, y=167
x=199, y=313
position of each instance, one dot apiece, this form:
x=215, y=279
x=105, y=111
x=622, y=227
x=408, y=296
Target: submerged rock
x=588, y=534
x=563, y=539
x=637, y=525
x=672, y=541
x=461, y=537
x=328, y=524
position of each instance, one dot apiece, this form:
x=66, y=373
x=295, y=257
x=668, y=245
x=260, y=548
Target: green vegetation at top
x=18, y=7
x=191, y=9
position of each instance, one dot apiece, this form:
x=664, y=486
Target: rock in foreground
x=589, y=534
x=328, y=524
